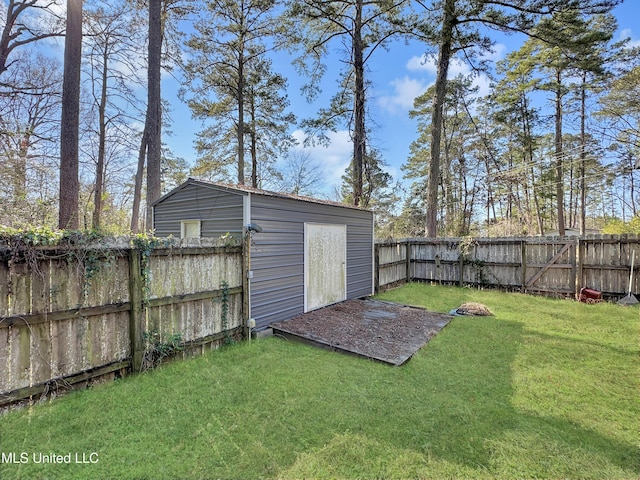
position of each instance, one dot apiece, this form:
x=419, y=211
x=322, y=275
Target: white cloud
x=497, y=53
x=406, y=89
x=627, y=33
x=427, y=64
x=423, y=63
x=334, y=158
x=484, y=85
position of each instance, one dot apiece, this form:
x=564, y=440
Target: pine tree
x=365, y=26
x=458, y=30
x=231, y=81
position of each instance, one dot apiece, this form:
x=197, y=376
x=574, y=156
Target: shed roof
x=244, y=189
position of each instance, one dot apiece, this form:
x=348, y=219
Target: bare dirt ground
x=382, y=331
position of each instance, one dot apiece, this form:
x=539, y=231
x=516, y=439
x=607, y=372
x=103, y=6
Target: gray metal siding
x=277, y=259
x=219, y=211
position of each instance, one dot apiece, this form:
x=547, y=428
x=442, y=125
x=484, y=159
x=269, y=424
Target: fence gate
x=558, y=271
x=325, y=265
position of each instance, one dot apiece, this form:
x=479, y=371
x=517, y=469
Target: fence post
x=246, y=284
x=136, y=314
x=408, y=262
x=579, y=258
x=376, y=268
x=461, y=266
x=523, y=260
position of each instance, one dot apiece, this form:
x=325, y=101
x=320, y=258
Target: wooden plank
x=4, y=288
x=523, y=266
x=196, y=251
x=4, y=359
x=40, y=353
x=136, y=316
x=407, y=275
x=191, y=297
x=24, y=393
x=212, y=338
x=40, y=287
x=20, y=278
x=376, y=269
x=37, y=318
x=546, y=267
x=19, y=362
x=439, y=261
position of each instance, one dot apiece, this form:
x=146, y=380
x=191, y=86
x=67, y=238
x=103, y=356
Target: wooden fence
x=69, y=316
x=558, y=266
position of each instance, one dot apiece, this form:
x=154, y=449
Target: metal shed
x=309, y=253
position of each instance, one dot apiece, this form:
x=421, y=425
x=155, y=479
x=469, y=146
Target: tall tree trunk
x=559, y=154
x=632, y=187
x=359, y=132
x=70, y=122
x=240, y=126
x=583, y=155
x=534, y=193
x=102, y=141
x=20, y=168
x=154, y=110
x=254, y=147
x=137, y=188
x=444, y=57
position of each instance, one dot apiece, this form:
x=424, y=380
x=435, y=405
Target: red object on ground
x=588, y=295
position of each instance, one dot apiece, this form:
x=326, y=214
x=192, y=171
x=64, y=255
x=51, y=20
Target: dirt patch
x=382, y=331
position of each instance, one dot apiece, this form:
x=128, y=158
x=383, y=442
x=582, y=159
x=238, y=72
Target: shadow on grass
x=450, y=413
x=273, y=408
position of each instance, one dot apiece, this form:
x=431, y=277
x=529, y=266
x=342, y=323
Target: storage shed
x=308, y=254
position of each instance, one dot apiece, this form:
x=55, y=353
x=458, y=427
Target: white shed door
x=325, y=265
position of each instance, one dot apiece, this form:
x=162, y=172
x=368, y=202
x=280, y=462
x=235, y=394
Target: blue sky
x=397, y=75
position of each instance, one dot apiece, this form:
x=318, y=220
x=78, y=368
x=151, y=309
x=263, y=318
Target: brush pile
x=472, y=309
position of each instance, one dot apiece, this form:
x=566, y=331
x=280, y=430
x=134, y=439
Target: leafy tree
x=268, y=120
x=375, y=185
x=572, y=49
x=620, y=112
x=619, y=227
x=517, y=118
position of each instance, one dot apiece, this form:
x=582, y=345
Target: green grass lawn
x=543, y=389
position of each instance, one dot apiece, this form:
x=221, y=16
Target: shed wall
x=218, y=210
x=277, y=258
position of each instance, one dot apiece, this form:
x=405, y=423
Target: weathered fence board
x=545, y=265
x=67, y=317
x=391, y=261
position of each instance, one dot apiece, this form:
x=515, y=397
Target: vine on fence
x=225, y=312
x=156, y=350
x=145, y=243
x=467, y=247
x=90, y=250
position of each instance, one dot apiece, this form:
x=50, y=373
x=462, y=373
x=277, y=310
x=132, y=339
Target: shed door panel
x=325, y=252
